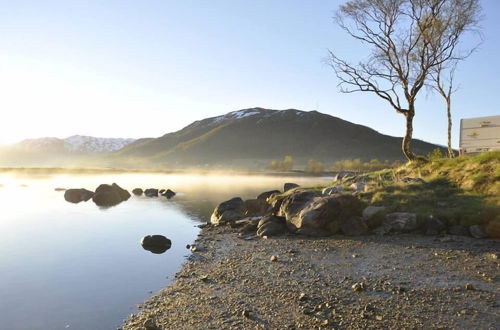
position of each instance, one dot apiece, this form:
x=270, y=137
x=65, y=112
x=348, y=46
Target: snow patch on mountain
x=92, y=144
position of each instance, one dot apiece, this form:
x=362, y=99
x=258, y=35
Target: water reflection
x=100, y=279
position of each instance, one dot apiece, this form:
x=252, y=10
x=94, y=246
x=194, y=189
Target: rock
x=434, y=226
x=271, y=226
x=287, y=186
x=325, y=214
x=358, y=287
x=156, y=243
x=265, y=195
x=249, y=228
x=150, y=324
x=161, y=191
x=477, y=231
x=402, y=222
x=110, y=195
x=343, y=175
x=231, y=210
x=374, y=216
x=245, y=313
x=137, y=191
x=469, y=286
x=77, y=195
x=256, y=207
x=292, y=204
x=274, y=258
x=358, y=186
x=56, y=189
x=168, y=193
x=151, y=192
x=332, y=190
x=355, y=226
x=458, y=230
x=303, y=297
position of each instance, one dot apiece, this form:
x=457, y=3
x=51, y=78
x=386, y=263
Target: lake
x=79, y=266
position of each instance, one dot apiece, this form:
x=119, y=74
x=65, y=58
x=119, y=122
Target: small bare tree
x=442, y=82
x=408, y=39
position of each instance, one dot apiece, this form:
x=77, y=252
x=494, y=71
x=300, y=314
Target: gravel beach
x=294, y=282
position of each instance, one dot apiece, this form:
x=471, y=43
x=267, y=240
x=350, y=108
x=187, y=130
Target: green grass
x=463, y=190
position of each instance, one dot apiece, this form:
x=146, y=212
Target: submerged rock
x=231, y=210
x=156, y=243
x=77, y=195
x=110, y=195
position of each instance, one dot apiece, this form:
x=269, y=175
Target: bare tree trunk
x=407, y=139
x=451, y=154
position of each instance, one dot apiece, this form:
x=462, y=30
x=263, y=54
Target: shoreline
x=395, y=281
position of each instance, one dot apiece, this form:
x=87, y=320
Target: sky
x=136, y=69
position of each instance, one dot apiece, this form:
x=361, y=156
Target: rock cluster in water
x=110, y=194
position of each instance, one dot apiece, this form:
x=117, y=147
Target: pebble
x=302, y=297
x=357, y=287
x=469, y=286
x=274, y=258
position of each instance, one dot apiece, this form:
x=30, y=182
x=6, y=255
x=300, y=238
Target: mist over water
x=79, y=266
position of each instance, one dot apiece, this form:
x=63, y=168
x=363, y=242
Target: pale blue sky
x=145, y=68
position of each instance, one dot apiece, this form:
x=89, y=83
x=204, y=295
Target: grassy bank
x=463, y=190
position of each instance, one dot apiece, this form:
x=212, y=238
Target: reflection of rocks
x=110, y=195
x=156, y=243
x=77, y=195
x=137, y=191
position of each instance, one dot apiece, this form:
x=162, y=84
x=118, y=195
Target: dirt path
x=379, y=282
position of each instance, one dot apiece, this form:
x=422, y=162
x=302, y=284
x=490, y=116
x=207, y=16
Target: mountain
x=75, y=144
x=50, y=151
x=252, y=137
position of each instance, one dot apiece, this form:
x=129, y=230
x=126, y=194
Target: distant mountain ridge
x=252, y=137
x=76, y=143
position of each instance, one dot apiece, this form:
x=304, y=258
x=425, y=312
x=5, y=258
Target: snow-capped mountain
x=74, y=144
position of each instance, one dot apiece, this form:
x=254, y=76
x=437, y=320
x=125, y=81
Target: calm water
x=78, y=266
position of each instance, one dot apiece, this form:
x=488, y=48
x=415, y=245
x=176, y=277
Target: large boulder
x=355, y=226
x=256, y=207
x=137, y=191
x=156, y=243
x=231, y=210
x=265, y=195
x=374, y=216
x=291, y=205
x=400, y=222
x=289, y=185
x=151, y=192
x=78, y=195
x=271, y=226
x=168, y=193
x=477, y=231
x=332, y=190
x=458, y=230
x=434, y=226
x=325, y=215
x=110, y=195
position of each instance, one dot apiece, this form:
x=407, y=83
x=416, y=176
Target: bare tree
x=444, y=86
x=408, y=39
